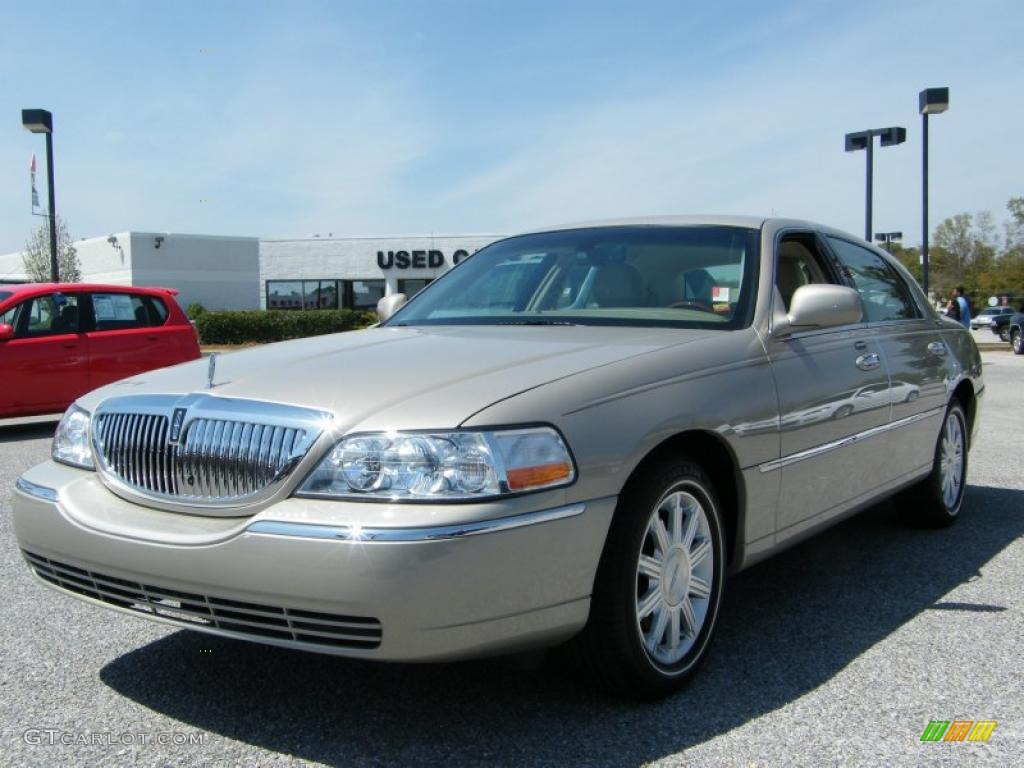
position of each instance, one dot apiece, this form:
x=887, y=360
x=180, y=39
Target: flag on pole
x=35, y=192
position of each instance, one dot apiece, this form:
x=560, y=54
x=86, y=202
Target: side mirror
x=387, y=306
x=6, y=331
x=820, y=305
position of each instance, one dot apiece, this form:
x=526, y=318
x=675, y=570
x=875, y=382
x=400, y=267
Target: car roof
x=709, y=220
x=749, y=222
x=34, y=289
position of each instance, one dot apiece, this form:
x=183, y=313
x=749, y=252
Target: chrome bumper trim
x=36, y=491
x=818, y=450
x=393, y=535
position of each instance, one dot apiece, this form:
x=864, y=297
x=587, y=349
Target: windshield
x=644, y=275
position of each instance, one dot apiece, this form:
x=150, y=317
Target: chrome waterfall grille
x=202, y=450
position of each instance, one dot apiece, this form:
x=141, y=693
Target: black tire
x=926, y=503
x=1017, y=341
x=1004, y=335
x=842, y=411
x=610, y=650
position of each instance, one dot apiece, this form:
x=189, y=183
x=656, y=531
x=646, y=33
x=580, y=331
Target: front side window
x=48, y=315
x=884, y=293
x=799, y=263
x=688, y=276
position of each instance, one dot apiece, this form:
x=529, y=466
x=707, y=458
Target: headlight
x=439, y=466
x=71, y=441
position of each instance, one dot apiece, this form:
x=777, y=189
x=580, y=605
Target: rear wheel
x=659, y=583
x=937, y=499
x=1017, y=341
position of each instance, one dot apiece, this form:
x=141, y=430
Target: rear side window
x=884, y=293
x=122, y=311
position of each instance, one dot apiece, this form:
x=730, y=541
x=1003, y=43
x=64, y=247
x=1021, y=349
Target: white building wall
x=356, y=258
x=102, y=261
x=106, y=259
x=11, y=267
x=217, y=272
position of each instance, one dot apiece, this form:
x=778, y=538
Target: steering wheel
x=690, y=304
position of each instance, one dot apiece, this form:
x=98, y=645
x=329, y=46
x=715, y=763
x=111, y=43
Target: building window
x=365, y=294
x=284, y=294
x=411, y=287
x=302, y=294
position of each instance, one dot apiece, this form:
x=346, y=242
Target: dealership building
x=253, y=273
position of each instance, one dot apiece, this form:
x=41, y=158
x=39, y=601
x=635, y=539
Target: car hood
x=405, y=378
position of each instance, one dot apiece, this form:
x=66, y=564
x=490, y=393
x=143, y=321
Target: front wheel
x=936, y=500
x=1017, y=341
x=1004, y=335
x=659, y=583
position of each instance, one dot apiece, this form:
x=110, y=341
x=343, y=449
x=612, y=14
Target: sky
x=285, y=119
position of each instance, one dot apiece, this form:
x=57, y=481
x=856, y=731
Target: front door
x=45, y=366
x=822, y=378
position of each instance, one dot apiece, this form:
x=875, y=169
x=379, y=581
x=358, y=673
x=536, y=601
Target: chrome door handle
x=869, y=361
x=937, y=348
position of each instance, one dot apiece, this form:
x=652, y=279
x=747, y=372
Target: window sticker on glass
x=720, y=293
x=113, y=307
x=102, y=307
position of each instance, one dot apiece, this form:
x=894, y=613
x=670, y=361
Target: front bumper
x=478, y=580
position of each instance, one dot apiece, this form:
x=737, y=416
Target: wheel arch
x=716, y=457
x=964, y=393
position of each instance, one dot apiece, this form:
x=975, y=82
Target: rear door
x=46, y=365
x=820, y=376
x=914, y=352
x=127, y=336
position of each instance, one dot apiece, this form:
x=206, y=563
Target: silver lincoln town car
x=572, y=436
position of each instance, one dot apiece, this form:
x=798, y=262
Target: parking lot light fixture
x=41, y=121
x=887, y=238
x=866, y=140
x=930, y=101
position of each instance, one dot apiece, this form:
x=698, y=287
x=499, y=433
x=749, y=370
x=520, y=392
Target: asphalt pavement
x=836, y=652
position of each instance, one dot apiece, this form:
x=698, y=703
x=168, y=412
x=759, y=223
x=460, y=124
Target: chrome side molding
x=397, y=535
x=818, y=450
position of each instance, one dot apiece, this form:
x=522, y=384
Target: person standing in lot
x=963, y=305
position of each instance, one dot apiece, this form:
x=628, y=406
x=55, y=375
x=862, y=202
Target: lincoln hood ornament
x=212, y=369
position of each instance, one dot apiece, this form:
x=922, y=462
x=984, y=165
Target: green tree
x=36, y=256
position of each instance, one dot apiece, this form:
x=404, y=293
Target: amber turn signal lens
x=533, y=477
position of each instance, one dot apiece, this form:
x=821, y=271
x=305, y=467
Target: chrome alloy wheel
x=951, y=460
x=674, y=577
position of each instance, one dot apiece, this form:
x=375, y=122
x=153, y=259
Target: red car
x=58, y=341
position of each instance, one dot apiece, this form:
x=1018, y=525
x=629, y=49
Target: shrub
x=195, y=309
x=247, y=326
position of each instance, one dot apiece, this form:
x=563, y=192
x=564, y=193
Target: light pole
x=931, y=101
x=41, y=121
x=866, y=140
x=887, y=238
